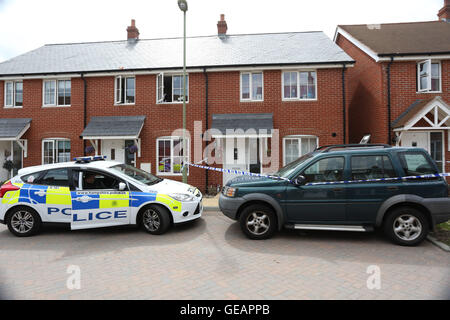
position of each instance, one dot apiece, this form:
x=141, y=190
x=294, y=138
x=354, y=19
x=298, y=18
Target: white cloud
x=28, y=24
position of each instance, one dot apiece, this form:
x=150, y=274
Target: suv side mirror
x=299, y=181
x=122, y=186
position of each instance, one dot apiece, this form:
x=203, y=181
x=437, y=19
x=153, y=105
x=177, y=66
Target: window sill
x=163, y=103
x=168, y=174
x=10, y=107
x=124, y=104
x=297, y=100
x=419, y=92
x=55, y=106
x=246, y=100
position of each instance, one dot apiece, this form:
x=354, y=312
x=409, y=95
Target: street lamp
x=182, y=4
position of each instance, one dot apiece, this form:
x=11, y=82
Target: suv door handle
x=392, y=188
x=338, y=189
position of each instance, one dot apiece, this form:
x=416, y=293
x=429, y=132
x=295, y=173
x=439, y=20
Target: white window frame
x=13, y=94
x=429, y=76
x=160, y=87
x=54, y=142
x=298, y=98
x=251, y=98
x=117, y=97
x=171, y=138
x=55, y=96
x=299, y=138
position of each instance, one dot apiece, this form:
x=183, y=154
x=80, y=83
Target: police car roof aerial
x=89, y=159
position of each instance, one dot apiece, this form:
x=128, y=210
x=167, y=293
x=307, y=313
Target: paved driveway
x=211, y=259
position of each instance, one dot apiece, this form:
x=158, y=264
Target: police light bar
x=89, y=159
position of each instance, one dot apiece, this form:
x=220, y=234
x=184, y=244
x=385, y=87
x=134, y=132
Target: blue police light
x=89, y=159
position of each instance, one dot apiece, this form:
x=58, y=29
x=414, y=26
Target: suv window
x=55, y=177
x=99, y=181
x=416, y=163
x=372, y=167
x=325, y=170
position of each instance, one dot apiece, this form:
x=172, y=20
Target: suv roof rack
x=352, y=146
x=89, y=159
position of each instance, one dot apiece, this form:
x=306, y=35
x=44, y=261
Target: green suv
x=344, y=188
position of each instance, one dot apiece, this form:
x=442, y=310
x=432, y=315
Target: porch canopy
x=424, y=114
x=114, y=128
x=242, y=125
x=13, y=130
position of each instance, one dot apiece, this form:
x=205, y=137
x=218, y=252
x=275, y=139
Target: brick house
x=123, y=99
x=400, y=85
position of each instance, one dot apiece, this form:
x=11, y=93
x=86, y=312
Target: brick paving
x=211, y=259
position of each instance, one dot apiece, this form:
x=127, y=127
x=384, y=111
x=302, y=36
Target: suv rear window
x=416, y=163
x=372, y=167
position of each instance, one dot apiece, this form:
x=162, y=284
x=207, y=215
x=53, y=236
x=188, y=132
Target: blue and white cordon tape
x=246, y=173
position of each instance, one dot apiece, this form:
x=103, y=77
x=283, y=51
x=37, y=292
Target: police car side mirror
x=122, y=186
x=299, y=181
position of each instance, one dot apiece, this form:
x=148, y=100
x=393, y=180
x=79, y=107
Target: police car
x=92, y=193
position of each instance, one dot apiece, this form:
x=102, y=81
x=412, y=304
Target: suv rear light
x=7, y=187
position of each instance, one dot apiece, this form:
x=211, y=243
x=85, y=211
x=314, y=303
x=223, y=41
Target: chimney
x=222, y=26
x=444, y=13
x=132, y=31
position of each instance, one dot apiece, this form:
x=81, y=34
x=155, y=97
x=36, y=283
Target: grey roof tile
x=114, y=126
x=11, y=128
x=208, y=51
x=243, y=121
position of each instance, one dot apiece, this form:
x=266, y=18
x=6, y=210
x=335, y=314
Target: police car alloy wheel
x=406, y=226
x=23, y=222
x=155, y=220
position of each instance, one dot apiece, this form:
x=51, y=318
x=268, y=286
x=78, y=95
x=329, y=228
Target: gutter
x=172, y=68
x=344, y=111
x=84, y=110
x=388, y=72
x=206, y=120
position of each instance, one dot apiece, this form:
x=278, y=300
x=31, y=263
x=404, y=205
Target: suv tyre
x=258, y=222
x=406, y=226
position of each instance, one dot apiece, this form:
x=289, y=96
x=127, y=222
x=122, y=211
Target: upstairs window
x=429, y=76
x=170, y=88
x=300, y=85
x=125, y=88
x=252, y=86
x=13, y=94
x=57, y=92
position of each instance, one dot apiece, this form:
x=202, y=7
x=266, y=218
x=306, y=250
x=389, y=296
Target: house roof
x=410, y=112
x=11, y=129
x=206, y=51
x=130, y=126
x=242, y=121
x=403, y=38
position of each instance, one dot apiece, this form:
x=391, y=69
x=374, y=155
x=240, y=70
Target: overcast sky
x=28, y=24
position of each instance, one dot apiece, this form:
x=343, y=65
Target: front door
x=114, y=150
x=234, y=157
x=99, y=202
x=314, y=203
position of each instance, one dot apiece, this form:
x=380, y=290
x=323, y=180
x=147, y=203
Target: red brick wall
x=368, y=83
x=320, y=118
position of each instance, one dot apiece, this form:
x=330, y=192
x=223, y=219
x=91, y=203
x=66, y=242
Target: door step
x=331, y=227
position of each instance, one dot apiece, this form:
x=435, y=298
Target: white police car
x=91, y=193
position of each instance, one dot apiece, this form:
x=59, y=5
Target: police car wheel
x=155, y=220
x=23, y=222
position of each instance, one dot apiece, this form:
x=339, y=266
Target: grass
x=442, y=232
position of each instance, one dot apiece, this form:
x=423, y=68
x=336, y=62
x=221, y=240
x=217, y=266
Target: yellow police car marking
x=59, y=196
x=11, y=197
x=119, y=200
x=173, y=204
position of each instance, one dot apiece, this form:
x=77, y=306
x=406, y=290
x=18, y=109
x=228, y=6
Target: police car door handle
x=84, y=199
x=40, y=193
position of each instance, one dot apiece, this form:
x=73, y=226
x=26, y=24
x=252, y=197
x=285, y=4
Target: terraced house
x=123, y=99
x=400, y=85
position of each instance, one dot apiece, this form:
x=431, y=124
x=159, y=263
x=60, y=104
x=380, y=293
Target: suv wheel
x=154, y=220
x=23, y=222
x=406, y=226
x=258, y=222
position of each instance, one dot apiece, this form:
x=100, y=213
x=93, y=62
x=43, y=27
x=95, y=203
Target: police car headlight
x=182, y=197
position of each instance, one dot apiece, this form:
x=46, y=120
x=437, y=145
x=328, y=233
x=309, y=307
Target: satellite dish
x=366, y=139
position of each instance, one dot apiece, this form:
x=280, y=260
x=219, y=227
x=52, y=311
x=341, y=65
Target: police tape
x=246, y=173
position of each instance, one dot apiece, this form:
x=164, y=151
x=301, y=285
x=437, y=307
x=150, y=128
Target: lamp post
x=182, y=4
